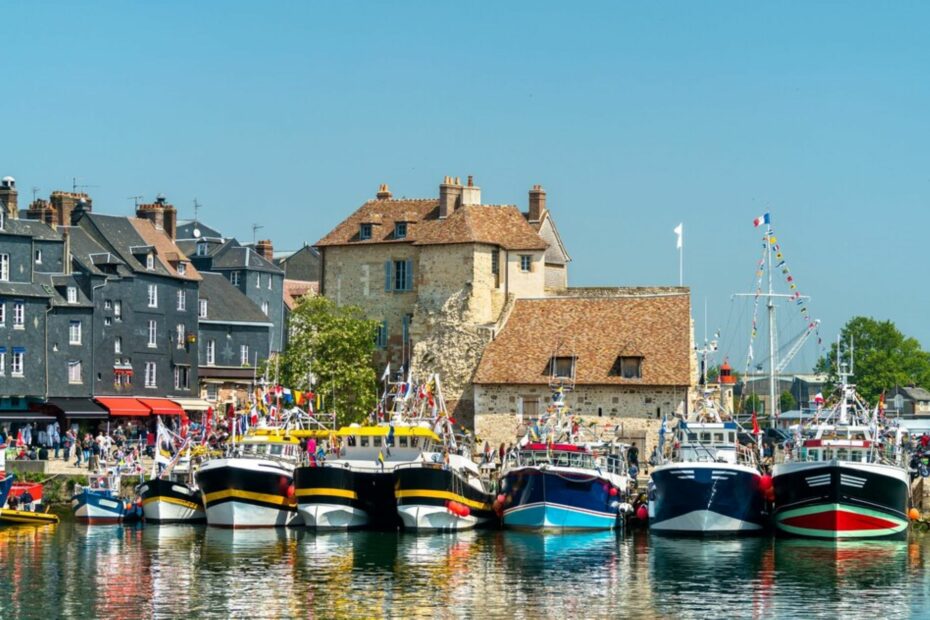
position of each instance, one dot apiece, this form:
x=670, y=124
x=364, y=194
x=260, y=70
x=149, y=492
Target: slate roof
x=227, y=303
x=31, y=228
x=597, y=330
x=235, y=256
x=119, y=235
x=57, y=284
x=295, y=289
x=914, y=393
x=89, y=253
x=24, y=289
x=185, y=230
x=496, y=225
x=166, y=251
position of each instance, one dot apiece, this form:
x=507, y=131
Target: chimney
x=8, y=198
x=65, y=202
x=265, y=249
x=384, y=192
x=44, y=212
x=153, y=212
x=171, y=221
x=450, y=196
x=537, y=203
x=471, y=193
x=76, y=212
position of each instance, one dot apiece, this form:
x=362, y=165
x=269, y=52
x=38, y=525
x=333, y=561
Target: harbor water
x=79, y=571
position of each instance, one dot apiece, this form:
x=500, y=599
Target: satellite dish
x=196, y=233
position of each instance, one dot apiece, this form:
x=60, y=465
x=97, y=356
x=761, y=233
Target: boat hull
x=337, y=497
x=424, y=493
x=538, y=498
x=706, y=499
x=168, y=501
x=21, y=517
x=841, y=500
x=97, y=508
x=244, y=493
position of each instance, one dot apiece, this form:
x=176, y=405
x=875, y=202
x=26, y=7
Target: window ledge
x=18, y=376
x=22, y=327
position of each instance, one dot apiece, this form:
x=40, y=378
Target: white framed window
x=400, y=230
x=4, y=267
x=182, y=268
x=202, y=248
x=265, y=307
x=117, y=309
x=269, y=281
x=107, y=305
x=244, y=354
x=364, y=232
x=107, y=321
x=74, y=332
x=118, y=345
x=211, y=352
x=180, y=335
x=153, y=295
x=153, y=333
x=2, y=313
x=182, y=378
x=74, y=372
x=2, y=361
x=150, y=261
x=72, y=294
x=19, y=314
x=182, y=301
x=258, y=280
x=150, y=375
x=38, y=257
x=526, y=262
x=16, y=367
x=234, y=278
x=212, y=392
x=2, y=219
x=202, y=308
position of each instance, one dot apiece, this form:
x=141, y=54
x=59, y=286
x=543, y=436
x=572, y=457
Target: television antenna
x=75, y=186
x=35, y=192
x=135, y=200
x=197, y=207
x=255, y=229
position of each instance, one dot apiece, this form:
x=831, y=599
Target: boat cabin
x=714, y=442
x=568, y=455
x=841, y=443
x=358, y=442
x=276, y=446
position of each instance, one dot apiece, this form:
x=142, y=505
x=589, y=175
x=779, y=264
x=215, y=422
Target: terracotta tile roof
x=165, y=249
x=295, y=289
x=497, y=225
x=597, y=330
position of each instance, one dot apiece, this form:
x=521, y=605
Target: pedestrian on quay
x=95, y=449
x=56, y=438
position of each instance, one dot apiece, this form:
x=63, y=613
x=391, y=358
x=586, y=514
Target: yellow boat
x=8, y=516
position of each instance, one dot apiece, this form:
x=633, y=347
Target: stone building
x=439, y=275
x=624, y=357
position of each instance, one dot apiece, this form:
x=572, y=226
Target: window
x=203, y=309
x=258, y=280
x=234, y=278
x=182, y=301
x=38, y=257
x=398, y=275
x=400, y=230
x=182, y=268
x=526, y=262
x=4, y=267
x=364, y=232
x=182, y=377
x=16, y=368
x=212, y=392
x=74, y=332
x=72, y=294
x=117, y=309
x=150, y=261
x=562, y=366
x=2, y=313
x=19, y=314
x=180, y=335
x=153, y=333
x=265, y=307
x=153, y=295
x=211, y=352
x=496, y=267
x=381, y=336
x=269, y=281
x=202, y=248
x=107, y=321
x=2, y=361
x=74, y=372
x=107, y=305
x=244, y=355
x=118, y=344
x=150, y=374
x=628, y=367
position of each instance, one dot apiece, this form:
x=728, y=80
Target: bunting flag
x=762, y=219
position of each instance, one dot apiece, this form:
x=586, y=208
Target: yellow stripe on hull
x=443, y=495
x=172, y=500
x=24, y=516
x=327, y=492
x=278, y=500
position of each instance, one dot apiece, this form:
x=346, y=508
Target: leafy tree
x=752, y=402
x=333, y=344
x=884, y=357
x=787, y=401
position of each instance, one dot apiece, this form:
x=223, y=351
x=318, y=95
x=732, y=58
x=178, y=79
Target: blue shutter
x=383, y=336
x=387, y=276
x=406, y=326
x=408, y=285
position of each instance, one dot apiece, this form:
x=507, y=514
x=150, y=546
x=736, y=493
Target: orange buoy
x=765, y=482
x=913, y=514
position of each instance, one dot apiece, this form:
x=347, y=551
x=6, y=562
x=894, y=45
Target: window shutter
x=387, y=276
x=384, y=334
x=409, y=283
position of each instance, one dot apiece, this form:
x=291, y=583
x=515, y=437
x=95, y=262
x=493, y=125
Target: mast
x=771, y=305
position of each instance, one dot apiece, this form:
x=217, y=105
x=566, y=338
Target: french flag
x=762, y=219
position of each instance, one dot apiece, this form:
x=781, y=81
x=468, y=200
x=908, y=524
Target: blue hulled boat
x=99, y=501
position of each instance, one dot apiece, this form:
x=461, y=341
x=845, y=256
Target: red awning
x=162, y=406
x=123, y=406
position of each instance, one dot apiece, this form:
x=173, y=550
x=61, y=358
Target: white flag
x=387, y=372
x=678, y=231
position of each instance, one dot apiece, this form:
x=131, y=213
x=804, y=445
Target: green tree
x=752, y=402
x=787, y=401
x=334, y=345
x=884, y=357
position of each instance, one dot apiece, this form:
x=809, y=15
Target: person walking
x=55, y=437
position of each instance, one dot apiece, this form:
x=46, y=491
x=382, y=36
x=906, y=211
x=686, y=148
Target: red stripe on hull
x=839, y=521
x=98, y=520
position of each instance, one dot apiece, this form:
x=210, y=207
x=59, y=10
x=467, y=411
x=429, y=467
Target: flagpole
x=681, y=264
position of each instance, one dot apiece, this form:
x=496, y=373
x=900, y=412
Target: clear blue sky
x=634, y=116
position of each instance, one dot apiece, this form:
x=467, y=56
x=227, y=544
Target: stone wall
x=523, y=283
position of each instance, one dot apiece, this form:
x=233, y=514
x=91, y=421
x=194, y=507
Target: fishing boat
x=843, y=483
x=99, y=501
x=559, y=481
x=11, y=490
x=710, y=484
x=170, y=495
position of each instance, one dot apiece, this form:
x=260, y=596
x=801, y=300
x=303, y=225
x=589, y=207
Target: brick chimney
x=384, y=192
x=153, y=212
x=43, y=211
x=450, y=196
x=65, y=202
x=9, y=198
x=171, y=221
x=471, y=193
x=265, y=249
x=537, y=203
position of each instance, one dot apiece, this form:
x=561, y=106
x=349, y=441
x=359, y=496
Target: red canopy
x=162, y=406
x=123, y=406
